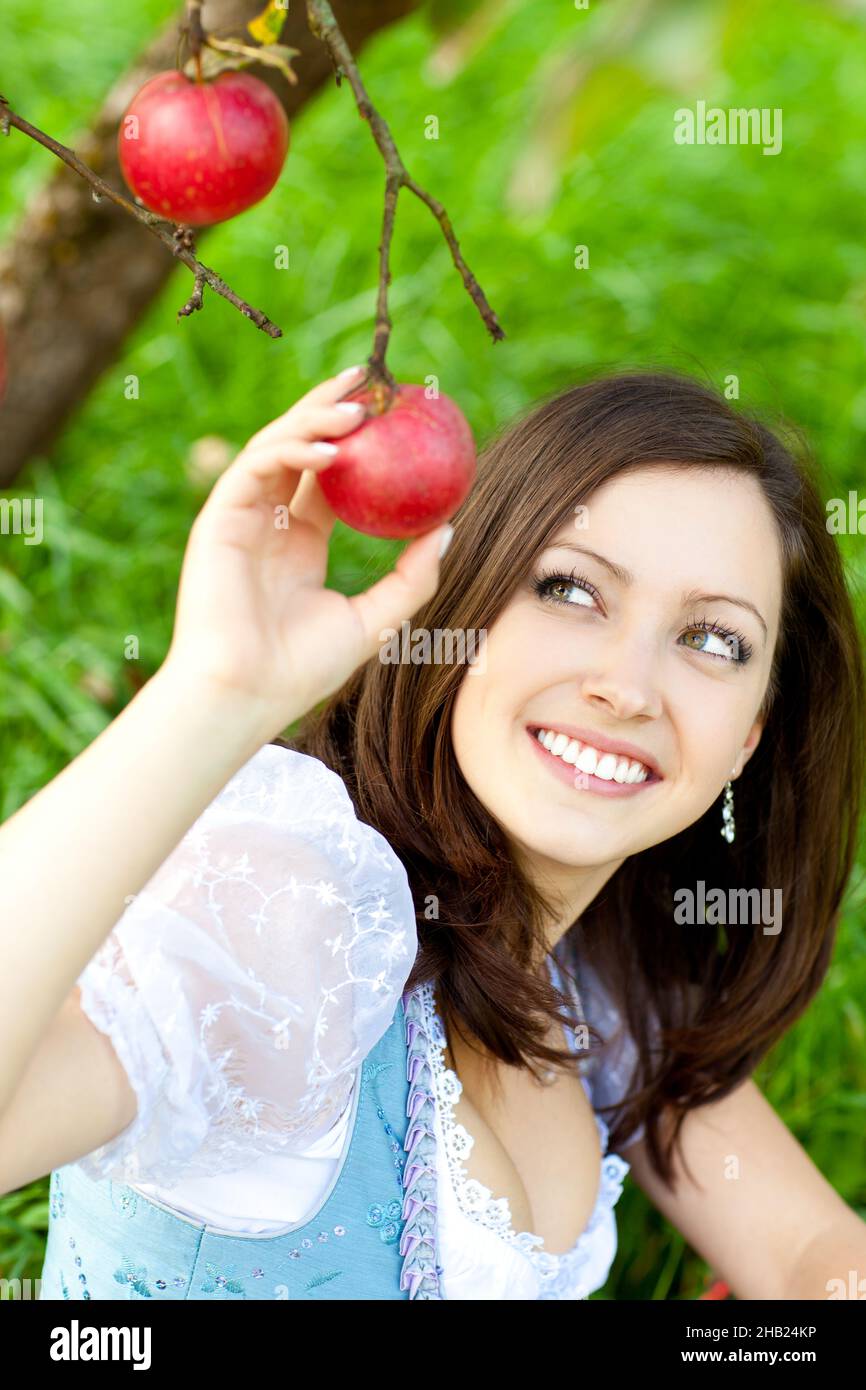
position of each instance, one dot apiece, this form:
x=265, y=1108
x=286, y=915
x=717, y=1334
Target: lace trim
x=558, y=1273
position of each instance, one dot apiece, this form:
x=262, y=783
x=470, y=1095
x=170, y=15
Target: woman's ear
x=748, y=748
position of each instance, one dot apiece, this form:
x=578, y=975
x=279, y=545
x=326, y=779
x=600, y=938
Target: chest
x=536, y=1145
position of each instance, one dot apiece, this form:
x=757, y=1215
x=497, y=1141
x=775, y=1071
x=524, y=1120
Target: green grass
x=716, y=260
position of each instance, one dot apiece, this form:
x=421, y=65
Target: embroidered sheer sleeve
x=250, y=977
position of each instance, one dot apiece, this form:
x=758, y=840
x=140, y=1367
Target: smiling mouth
x=617, y=768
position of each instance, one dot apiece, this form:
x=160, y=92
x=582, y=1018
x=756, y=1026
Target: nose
x=623, y=683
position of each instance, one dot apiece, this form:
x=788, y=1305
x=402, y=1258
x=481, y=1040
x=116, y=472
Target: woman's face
x=613, y=654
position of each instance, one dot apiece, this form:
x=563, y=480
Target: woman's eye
x=726, y=647
x=566, y=593
x=563, y=589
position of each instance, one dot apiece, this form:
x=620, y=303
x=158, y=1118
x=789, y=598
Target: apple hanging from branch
x=404, y=470
x=411, y=463
x=203, y=144
x=199, y=152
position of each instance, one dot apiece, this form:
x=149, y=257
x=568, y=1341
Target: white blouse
x=243, y=988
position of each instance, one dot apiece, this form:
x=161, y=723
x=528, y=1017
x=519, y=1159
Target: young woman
x=342, y=1018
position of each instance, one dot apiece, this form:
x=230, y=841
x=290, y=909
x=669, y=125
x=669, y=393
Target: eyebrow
x=625, y=577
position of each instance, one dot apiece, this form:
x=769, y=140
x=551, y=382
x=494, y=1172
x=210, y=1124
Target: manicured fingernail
x=447, y=534
x=355, y=407
x=349, y=371
x=323, y=447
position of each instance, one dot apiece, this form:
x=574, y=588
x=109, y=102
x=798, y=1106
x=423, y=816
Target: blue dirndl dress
x=279, y=863
x=374, y=1236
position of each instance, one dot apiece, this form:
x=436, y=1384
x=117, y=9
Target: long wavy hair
x=720, y=998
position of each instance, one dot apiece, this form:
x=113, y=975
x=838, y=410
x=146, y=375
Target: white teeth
x=606, y=768
x=610, y=767
x=587, y=760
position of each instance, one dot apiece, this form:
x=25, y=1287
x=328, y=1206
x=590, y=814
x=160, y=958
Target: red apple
x=200, y=152
x=402, y=472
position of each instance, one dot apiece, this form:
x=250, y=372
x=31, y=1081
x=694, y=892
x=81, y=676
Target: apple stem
x=378, y=383
x=195, y=34
x=382, y=389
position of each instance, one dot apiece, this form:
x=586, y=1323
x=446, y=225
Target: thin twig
x=178, y=239
x=323, y=25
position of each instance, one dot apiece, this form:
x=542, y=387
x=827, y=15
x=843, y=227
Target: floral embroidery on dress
x=386, y=1216
x=222, y=1279
x=320, y=1279
x=135, y=1278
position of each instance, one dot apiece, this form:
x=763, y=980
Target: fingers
x=267, y=461
x=319, y=414
x=266, y=472
x=327, y=421
x=313, y=423
x=300, y=439
x=332, y=388
x=310, y=506
x=414, y=579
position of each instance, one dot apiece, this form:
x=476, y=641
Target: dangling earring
x=728, y=826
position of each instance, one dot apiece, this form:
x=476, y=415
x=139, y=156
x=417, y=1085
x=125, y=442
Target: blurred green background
x=555, y=130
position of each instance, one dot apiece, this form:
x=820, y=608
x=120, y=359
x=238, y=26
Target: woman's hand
x=253, y=615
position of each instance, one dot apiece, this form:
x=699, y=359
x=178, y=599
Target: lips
x=577, y=740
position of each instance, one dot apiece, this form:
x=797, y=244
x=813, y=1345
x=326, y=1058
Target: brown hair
x=721, y=997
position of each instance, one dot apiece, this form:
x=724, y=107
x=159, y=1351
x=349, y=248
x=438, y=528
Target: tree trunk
x=77, y=275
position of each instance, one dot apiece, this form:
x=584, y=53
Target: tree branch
x=323, y=24
x=179, y=240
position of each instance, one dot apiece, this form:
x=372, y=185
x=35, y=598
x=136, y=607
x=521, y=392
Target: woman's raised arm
x=257, y=641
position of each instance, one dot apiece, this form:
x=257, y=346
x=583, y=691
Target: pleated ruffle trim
x=421, y=1271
